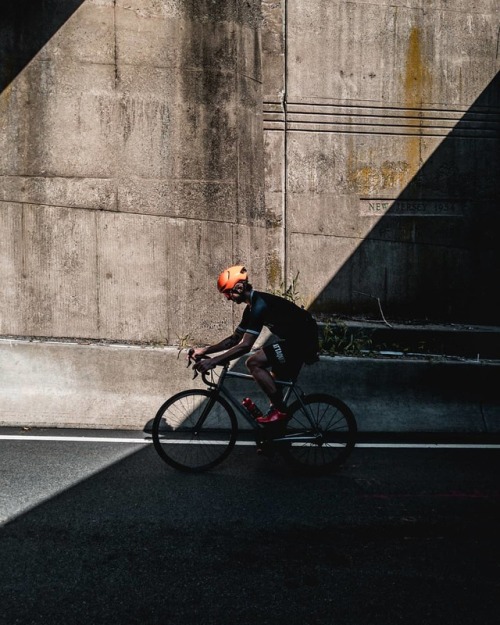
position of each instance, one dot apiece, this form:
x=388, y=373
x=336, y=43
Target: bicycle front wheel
x=321, y=434
x=194, y=430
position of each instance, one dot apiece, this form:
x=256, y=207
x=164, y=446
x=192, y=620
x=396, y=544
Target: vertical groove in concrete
x=286, y=267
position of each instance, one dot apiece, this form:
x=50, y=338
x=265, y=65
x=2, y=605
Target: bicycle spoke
x=332, y=436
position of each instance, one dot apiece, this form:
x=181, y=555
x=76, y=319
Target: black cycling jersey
x=284, y=318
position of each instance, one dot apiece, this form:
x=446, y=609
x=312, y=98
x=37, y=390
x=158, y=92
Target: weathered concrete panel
x=250, y=170
x=146, y=115
x=185, y=199
x=51, y=271
x=389, y=52
x=337, y=186
x=273, y=49
x=196, y=312
x=249, y=52
x=60, y=270
x=249, y=247
x=273, y=87
x=156, y=261
x=11, y=263
x=373, y=270
x=156, y=36
x=60, y=122
x=76, y=40
x=316, y=257
x=274, y=145
x=338, y=62
x=131, y=276
x=389, y=118
x=209, y=121
x=94, y=193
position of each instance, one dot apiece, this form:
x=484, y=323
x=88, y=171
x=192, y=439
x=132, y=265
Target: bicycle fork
x=206, y=411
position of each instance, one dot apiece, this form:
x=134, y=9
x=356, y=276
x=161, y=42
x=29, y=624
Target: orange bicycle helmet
x=231, y=276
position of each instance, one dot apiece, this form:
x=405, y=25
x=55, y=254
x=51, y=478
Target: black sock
x=277, y=401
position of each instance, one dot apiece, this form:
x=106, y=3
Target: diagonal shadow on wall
x=25, y=27
x=434, y=253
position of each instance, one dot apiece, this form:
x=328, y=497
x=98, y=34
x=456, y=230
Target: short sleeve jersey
x=284, y=318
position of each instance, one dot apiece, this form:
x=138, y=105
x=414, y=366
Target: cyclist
x=294, y=326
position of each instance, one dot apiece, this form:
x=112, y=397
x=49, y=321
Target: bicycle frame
x=292, y=388
x=196, y=429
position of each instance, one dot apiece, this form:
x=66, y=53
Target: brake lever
x=190, y=362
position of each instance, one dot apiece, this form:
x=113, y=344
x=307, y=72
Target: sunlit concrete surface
x=55, y=465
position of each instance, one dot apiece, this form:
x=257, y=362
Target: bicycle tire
x=184, y=448
x=335, y=425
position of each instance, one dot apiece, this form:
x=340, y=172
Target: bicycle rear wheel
x=331, y=428
x=194, y=430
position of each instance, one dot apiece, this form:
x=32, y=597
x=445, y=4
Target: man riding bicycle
x=294, y=326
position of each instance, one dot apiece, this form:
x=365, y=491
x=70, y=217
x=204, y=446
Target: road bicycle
x=196, y=429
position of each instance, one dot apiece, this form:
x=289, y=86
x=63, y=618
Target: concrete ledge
x=55, y=384
x=52, y=384
x=403, y=395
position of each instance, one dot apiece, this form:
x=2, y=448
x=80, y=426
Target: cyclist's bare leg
x=257, y=366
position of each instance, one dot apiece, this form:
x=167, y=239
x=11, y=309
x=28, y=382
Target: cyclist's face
x=236, y=294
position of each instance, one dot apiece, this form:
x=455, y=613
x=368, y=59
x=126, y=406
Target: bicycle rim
x=187, y=442
x=331, y=428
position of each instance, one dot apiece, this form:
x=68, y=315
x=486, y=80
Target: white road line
x=430, y=445
x=73, y=439
x=147, y=441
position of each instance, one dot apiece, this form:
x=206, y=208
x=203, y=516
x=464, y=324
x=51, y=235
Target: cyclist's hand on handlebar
x=204, y=365
x=198, y=355
x=195, y=354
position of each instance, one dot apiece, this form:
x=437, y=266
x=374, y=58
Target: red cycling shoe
x=272, y=416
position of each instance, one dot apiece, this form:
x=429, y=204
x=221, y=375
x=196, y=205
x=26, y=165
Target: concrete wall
x=132, y=159
x=130, y=165
x=382, y=125
x=92, y=386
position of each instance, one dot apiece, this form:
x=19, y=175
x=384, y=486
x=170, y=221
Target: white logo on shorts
x=279, y=353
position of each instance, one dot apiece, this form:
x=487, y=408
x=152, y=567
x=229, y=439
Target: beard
x=239, y=299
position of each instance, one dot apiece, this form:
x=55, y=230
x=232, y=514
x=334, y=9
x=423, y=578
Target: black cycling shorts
x=285, y=361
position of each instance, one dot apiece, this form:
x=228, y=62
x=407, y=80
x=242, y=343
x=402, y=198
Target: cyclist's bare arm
x=200, y=352
x=243, y=346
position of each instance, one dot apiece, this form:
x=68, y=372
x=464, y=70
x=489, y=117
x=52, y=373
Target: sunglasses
x=227, y=292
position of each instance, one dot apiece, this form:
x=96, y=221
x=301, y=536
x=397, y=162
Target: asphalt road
x=102, y=533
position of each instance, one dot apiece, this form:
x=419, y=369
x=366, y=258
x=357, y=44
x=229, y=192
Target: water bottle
x=254, y=410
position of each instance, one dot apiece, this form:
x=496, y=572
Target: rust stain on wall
x=273, y=270
x=417, y=75
x=416, y=84
x=368, y=179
